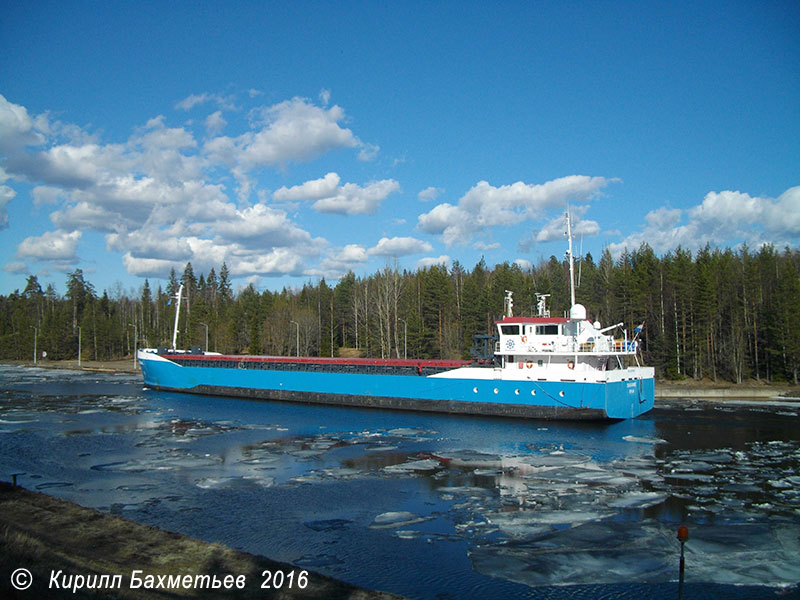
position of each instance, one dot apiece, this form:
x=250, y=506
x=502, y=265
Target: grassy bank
x=44, y=534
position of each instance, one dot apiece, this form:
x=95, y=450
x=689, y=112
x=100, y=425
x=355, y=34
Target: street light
x=135, y=344
x=298, y=336
x=405, y=338
x=206, y=326
x=35, y=333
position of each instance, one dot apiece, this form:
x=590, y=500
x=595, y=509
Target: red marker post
x=683, y=535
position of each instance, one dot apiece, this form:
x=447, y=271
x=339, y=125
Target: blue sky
x=302, y=140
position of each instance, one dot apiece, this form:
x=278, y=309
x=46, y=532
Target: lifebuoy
x=529, y=364
x=571, y=364
x=524, y=338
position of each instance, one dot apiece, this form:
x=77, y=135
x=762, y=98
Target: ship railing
x=625, y=346
x=620, y=346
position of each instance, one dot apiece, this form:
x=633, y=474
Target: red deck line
x=327, y=361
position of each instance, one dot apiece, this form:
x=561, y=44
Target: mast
x=571, y=263
x=177, y=314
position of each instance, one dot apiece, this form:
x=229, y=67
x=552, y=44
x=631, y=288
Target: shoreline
x=47, y=535
x=665, y=390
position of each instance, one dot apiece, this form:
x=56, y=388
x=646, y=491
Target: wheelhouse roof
x=529, y=320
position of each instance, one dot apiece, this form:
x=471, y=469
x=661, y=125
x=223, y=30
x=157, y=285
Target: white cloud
x=156, y=134
x=353, y=253
x=43, y=195
x=727, y=217
x=215, y=123
x=487, y=206
x=784, y=214
x=399, y=246
x=51, y=245
x=351, y=199
x=556, y=228
x=347, y=199
x=17, y=128
x=151, y=267
x=167, y=244
x=293, y=130
x=368, y=151
x=280, y=261
x=6, y=194
x=206, y=254
x=191, y=101
x=484, y=247
x=16, y=267
x=127, y=202
x=261, y=226
x=524, y=264
x=154, y=198
x=430, y=193
x=455, y=224
x=339, y=261
x=188, y=103
x=431, y=261
x=316, y=189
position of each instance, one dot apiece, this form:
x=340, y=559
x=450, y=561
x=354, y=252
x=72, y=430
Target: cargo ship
x=539, y=367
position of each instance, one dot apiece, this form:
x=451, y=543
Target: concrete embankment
x=70, y=551
x=708, y=391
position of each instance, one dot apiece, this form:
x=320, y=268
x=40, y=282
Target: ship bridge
x=572, y=342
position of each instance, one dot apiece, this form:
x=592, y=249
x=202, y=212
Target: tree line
x=717, y=313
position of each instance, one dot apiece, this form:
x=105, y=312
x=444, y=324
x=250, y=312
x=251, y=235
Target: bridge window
x=509, y=329
x=547, y=330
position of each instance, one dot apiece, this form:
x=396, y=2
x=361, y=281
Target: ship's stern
x=632, y=393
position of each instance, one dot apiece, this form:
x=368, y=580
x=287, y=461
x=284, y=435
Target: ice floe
x=393, y=520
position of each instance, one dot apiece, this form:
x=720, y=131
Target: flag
x=639, y=328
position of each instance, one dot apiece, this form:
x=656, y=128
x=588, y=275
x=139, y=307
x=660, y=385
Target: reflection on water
x=429, y=506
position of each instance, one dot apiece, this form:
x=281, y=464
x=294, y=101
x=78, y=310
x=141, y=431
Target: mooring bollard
x=683, y=535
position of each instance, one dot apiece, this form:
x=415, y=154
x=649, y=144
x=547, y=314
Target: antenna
x=580, y=262
x=177, y=314
x=571, y=262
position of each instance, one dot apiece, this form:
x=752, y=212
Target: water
x=429, y=506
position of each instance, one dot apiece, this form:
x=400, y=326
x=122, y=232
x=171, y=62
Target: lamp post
x=683, y=536
x=405, y=338
x=35, y=333
x=206, y=326
x=79, y=346
x=135, y=344
x=298, y=336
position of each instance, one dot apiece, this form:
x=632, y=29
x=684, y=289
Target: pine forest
x=722, y=315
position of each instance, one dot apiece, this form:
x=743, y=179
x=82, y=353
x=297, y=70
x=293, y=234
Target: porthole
x=533, y=392
x=561, y=393
x=516, y=392
x=475, y=390
x=496, y=391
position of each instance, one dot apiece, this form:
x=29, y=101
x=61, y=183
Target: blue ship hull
x=447, y=392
